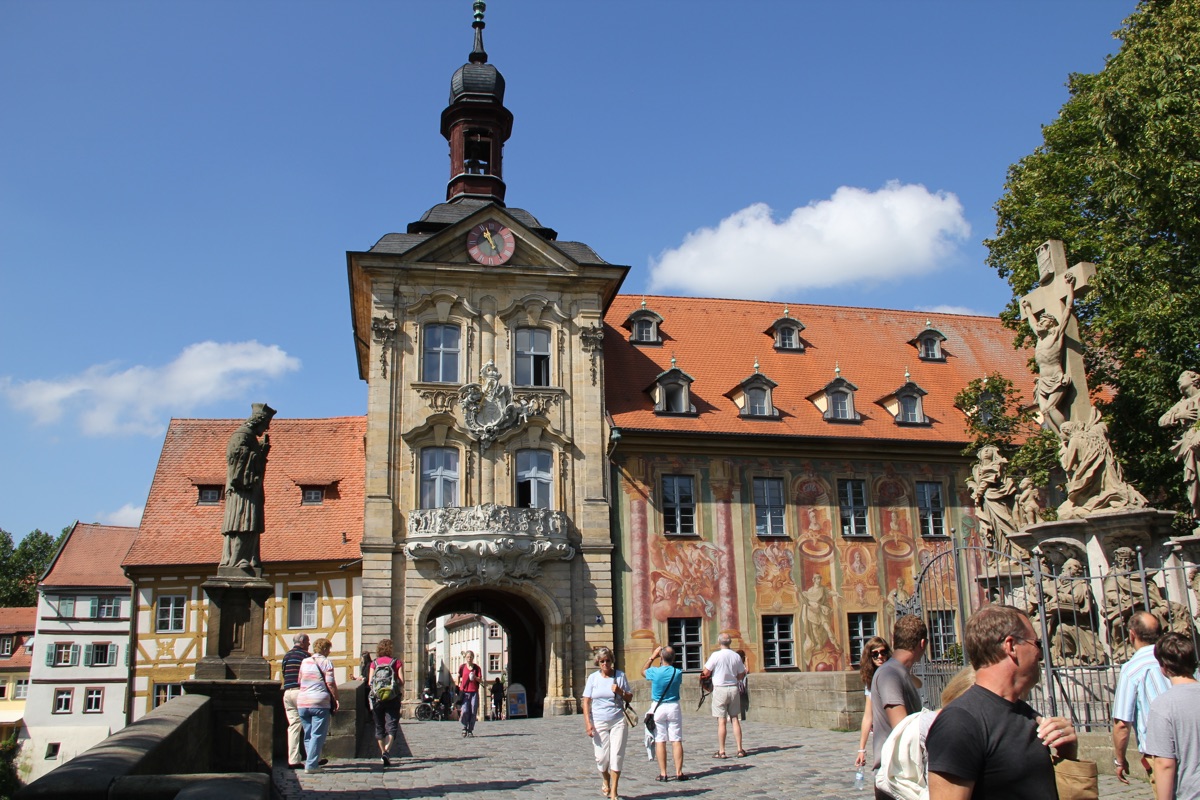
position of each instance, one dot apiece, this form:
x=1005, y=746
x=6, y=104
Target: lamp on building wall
x=599, y=619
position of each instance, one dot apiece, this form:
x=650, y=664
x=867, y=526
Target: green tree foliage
x=1117, y=178
x=996, y=416
x=9, y=782
x=22, y=566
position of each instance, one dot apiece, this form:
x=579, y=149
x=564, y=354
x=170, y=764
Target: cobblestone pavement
x=552, y=758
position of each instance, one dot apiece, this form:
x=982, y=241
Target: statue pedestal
x=244, y=714
x=1097, y=535
x=234, y=647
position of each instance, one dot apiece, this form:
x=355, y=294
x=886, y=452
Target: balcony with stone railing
x=487, y=544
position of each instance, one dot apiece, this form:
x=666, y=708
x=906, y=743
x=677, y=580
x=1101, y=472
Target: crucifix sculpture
x=1061, y=392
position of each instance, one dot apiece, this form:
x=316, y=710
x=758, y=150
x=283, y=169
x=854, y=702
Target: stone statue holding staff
x=246, y=464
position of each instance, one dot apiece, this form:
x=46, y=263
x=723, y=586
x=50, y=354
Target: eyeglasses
x=1035, y=642
x=878, y=654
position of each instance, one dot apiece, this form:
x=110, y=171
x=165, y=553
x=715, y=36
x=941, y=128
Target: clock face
x=491, y=244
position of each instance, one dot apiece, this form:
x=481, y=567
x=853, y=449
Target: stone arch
x=538, y=640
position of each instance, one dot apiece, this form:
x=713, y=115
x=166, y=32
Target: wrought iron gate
x=1082, y=618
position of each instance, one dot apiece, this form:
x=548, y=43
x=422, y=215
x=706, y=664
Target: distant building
x=16, y=647
x=310, y=548
x=80, y=671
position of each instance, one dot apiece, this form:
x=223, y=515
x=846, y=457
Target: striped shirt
x=291, y=667
x=313, y=693
x=1140, y=682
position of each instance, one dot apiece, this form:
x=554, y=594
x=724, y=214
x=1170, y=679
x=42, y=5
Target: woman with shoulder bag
x=316, y=702
x=666, y=682
x=604, y=698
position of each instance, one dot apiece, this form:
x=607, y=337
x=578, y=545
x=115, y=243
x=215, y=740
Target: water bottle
x=858, y=778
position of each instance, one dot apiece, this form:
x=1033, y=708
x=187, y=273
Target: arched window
x=757, y=403
x=439, y=477
x=534, y=478
x=439, y=353
x=840, y=405
x=786, y=339
x=910, y=409
x=675, y=398
x=644, y=331
x=533, y=357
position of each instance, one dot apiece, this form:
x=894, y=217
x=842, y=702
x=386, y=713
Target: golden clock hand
x=488, y=235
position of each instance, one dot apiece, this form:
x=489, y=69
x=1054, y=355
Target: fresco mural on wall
x=684, y=579
x=894, y=517
x=818, y=641
x=813, y=501
x=774, y=581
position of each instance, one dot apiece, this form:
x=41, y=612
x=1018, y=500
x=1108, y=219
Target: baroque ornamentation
x=439, y=400
x=592, y=340
x=537, y=402
x=487, y=544
x=488, y=406
x=384, y=329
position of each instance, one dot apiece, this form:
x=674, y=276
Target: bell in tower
x=476, y=124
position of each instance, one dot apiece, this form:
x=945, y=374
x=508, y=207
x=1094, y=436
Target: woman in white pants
x=604, y=697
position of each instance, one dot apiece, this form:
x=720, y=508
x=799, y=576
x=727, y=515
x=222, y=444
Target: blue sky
x=179, y=182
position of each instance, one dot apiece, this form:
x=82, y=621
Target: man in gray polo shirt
x=1173, y=730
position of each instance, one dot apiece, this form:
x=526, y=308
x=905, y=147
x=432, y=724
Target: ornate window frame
x=672, y=393
x=645, y=327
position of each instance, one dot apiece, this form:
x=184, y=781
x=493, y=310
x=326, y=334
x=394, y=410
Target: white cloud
x=944, y=309
x=136, y=400
x=128, y=515
x=856, y=236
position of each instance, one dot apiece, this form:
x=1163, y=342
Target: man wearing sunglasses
x=989, y=743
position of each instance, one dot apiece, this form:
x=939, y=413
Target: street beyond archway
x=552, y=758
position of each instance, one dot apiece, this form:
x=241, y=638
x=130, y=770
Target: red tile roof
x=176, y=530
x=91, y=556
x=717, y=341
x=18, y=620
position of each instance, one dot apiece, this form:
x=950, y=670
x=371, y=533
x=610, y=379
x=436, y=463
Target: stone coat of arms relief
x=488, y=406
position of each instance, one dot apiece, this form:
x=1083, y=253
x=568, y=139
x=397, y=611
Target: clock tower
x=480, y=336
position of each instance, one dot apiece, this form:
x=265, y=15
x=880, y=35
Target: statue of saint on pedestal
x=1187, y=448
x=994, y=495
x=246, y=465
x=1094, y=479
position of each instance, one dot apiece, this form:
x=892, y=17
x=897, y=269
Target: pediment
x=532, y=252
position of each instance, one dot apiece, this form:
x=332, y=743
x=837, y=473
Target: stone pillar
x=235, y=675
x=727, y=579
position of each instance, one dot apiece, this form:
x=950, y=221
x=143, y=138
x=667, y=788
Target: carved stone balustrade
x=487, y=544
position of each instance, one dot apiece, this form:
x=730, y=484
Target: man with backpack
x=386, y=683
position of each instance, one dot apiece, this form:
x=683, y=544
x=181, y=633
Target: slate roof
x=175, y=530
x=18, y=620
x=91, y=556
x=716, y=341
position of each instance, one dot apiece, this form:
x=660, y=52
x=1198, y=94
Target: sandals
x=741, y=753
x=662, y=778
x=720, y=754
x=682, y=777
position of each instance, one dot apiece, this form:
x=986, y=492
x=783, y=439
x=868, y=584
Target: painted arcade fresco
x=830, y=579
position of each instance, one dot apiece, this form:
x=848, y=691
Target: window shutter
x=95, y=612
x=127, y=647
x=74, y=655
x=50, y=656
x=87, y=655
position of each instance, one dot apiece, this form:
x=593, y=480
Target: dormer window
x=836, y=401
x=643, y=325
x=929, y=344
x=209, y=495
x=644, y=330
x=753, y=396
x=906, y=405
x=312, y=495
x=786, y=332
x=672, y=392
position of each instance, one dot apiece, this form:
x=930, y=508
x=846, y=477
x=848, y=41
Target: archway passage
x=527, y=648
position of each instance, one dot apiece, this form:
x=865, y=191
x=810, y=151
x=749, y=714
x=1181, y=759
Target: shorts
x=726, y=701
x=668, y=723
x=387, y=718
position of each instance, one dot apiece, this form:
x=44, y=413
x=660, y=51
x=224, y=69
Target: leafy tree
x=9, y=781
x=22, y=566
x=1117, y=178
x=996, y=416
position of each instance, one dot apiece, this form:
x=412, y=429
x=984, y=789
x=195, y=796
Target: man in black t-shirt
x=989, y=743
